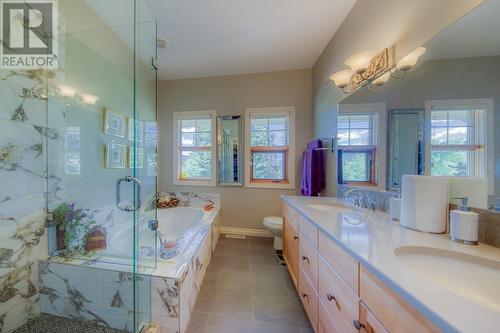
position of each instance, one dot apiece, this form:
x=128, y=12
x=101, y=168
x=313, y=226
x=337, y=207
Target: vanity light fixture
x=342, y=78
x=67, y=91
x=410, y=60
x=89, y=99
x=379, y=81
x=373, y=70
x=360, y=62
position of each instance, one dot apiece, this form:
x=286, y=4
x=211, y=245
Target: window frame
x=289, y=181
x=483, y=144
x=378, y=147
x=371, y=153
x=177, y=148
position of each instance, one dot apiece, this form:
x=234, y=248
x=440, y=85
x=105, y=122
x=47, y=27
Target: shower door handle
x=128, y=179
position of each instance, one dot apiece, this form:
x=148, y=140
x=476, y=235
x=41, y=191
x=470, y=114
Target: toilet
x=275, y=225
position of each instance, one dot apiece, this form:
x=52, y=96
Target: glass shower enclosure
x=101, y=143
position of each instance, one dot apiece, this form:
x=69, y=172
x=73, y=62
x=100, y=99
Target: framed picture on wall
x=139, y=160
x=115, y=155
x=114, y=123
x=139, y=130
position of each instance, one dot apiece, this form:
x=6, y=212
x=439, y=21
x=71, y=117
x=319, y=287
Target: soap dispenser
x=464, y=224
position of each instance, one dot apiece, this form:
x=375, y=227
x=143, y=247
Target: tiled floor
x=246, y=291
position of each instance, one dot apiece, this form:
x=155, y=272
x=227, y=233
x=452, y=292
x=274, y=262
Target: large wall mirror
x=229, y=130
x=441, y=119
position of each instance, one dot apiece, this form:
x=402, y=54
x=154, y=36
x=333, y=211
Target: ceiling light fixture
x=368, y=68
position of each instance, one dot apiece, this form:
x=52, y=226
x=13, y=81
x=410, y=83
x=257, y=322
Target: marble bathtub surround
x=173, y=286
x=192, y=199
x=376, y=243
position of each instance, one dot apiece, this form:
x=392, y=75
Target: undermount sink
x=329, y=208
x=473, y=277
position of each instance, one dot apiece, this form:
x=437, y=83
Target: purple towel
x=313, y=169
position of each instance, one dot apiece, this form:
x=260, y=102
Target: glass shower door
x=101, y=153
x=144, y=157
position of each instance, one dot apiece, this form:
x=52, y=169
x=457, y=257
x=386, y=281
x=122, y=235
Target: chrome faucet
x=361, y=200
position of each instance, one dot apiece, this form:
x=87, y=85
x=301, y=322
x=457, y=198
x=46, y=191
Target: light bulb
x=382, y=79
x=360, y=62
x=342, y=78
x=89, y=99
x=67, y=91
x=410, y=60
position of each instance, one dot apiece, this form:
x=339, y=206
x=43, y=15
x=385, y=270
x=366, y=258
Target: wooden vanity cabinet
x=291, y=242
x=339, y=294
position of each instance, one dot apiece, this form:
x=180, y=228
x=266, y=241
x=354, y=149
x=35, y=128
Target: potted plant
x=72, y=226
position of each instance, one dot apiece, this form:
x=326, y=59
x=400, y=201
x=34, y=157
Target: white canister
x=464, y=226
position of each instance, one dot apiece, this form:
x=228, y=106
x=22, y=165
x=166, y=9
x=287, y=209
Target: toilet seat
x=274, y=221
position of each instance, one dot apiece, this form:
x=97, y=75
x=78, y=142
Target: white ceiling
x=225, y=37
x=474, y=35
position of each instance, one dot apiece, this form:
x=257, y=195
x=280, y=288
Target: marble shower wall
x=23, y=130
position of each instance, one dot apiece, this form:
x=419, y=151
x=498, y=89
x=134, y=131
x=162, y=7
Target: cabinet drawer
x=291, y=215
x=339, y=300
x=291, y=251
x=394, y=313
x=309, y=230
x=369, y=323
x=308, y=257
x=325, y=323
x=345, y=265
x=309, y=298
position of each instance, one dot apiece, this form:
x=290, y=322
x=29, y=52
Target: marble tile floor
x=46, y=323
x=245, y=290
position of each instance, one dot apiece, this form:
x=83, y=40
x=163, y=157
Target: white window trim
x=380, y=136
x=288, y=111
x=176, y=145
x=489, y=150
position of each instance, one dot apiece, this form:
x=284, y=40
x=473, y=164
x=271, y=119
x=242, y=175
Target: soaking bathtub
x=179, y=226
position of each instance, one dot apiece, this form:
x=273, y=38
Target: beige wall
x=231, y=95
x=375, y=25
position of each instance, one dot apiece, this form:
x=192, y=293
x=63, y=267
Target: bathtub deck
x=246, y=290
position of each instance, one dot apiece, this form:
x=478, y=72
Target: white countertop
x=437, y=293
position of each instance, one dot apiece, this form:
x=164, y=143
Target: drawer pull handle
x=331, y=298
x=295, y=237
x=304, y=258
x=358, y=325
x=304, y=295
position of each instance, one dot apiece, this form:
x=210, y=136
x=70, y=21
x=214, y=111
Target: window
x=194, y=153
x=357, y=148
x=270, y=152
x=457, y=140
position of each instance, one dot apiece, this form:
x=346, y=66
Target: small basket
x=173, y=202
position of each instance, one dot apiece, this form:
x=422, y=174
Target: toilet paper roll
x=424, y=203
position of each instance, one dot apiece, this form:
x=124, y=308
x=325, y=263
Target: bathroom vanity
x=355, y=270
